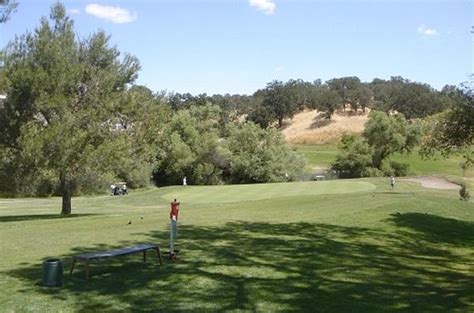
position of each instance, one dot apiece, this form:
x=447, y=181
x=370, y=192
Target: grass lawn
x=334, y=246
x=320, y=156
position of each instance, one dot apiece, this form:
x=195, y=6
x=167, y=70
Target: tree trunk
x=66, y=191
x=377, y=157
x=280, y=122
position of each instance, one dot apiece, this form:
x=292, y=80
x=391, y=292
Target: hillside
x=309, y=127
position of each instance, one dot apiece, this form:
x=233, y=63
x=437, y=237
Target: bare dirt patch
x=309, y=127
x=433, y=182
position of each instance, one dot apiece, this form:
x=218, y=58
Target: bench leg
x=88, y=271
x=72, y=266
x=144, y=255
x=159, y=255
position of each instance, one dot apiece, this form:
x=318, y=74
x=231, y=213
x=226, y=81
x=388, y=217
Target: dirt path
x=433, y=182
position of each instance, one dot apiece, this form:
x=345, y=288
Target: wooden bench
x=86, y=257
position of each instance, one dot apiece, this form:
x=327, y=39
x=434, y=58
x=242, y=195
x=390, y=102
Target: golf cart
x=119, y=189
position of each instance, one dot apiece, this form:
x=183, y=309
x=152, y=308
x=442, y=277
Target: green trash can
x=52, y=273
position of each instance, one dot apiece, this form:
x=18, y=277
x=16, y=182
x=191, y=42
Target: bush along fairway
x=331, y=246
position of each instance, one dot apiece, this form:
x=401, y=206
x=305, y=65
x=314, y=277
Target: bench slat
x=115, y=252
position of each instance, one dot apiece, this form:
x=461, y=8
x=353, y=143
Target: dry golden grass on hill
x=309, y=127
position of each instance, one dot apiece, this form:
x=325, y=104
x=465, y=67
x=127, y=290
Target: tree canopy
x=414, y=100
x=7, y=7
x=195, y=146
x=383, y=136
x=279, y=100
x=453, y=131
x=63, y=114
x=259, y=155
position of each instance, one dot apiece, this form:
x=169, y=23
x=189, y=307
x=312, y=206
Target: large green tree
x=144, y=116
x=346, y=88
x=190, y=147
x=64, y=112
x=387, y=134
x=452, y=132
x=194, y=146
x=327, y=100
x=260, y=155
x=354, y=157
x=280, y=100
x=383, y=136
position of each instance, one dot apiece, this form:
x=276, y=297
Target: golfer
x=174, y=212
x=392, y=181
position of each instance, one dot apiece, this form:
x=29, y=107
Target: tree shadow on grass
x=437, y=229
x=34, y=217
x=296, y=267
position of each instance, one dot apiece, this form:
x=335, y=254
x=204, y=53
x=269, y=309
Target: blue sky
x=237, y=46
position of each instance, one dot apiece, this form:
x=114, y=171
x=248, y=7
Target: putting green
x=238, y=193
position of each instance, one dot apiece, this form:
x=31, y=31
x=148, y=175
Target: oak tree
x=63, y=112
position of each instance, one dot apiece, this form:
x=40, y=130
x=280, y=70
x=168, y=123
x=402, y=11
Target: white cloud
x=278, y=69
x=74, y=11
x=427, y=31
x=113, y=14
x=267, y=6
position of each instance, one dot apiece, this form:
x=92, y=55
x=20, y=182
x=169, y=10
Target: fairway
x=239, y=193
x=332, y=246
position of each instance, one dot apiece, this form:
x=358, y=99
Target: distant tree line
x=395, y=125
x=280, y=100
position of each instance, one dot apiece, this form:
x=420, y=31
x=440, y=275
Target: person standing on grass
x=174, y=212
x=184, y=181
x=392, y=181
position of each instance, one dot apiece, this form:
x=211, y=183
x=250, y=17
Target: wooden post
x=159, y=255
x=144, y=255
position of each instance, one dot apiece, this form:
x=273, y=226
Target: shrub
x=372, y=172
x=353, y=159
x=400, y=169
x=260, y=155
